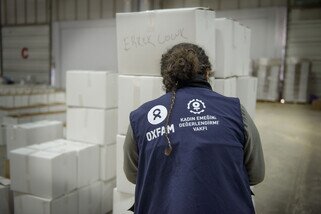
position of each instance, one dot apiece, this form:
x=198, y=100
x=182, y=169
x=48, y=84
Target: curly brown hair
x=179, y=65
x=182, y=63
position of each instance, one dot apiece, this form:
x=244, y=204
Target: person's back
x=190, y=153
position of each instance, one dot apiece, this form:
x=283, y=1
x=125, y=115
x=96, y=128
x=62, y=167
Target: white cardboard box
x=21, y=100
x=246, y=90
x=233, y=43
x=237, y=49
x=90, y=198
x=95, y=89
x=30, y=204
x=88, y=158
x=108, y=162
x=19, y=169
x=224, y=55
x=47, y=174
x=123, y=185
x=57, y=97
x=47, y=145
x=142, y=37
x=32, y=133
x=88, y=169
x=122, y=202
x=27, y=118
x=246, y=51
x=226, y=87
x=38, y=99
x=107, y=196
x=97, y=126
x=133, y=92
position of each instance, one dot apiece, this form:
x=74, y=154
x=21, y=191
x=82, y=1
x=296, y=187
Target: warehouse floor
x=291, y=139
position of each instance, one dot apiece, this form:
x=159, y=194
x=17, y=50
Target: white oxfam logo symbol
x=157, y=114
x=196, y=106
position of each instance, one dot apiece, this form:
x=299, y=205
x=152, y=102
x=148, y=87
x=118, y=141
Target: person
x=192, y=150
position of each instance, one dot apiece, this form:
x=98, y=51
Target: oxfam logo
x=157, y=114
x=196, y=106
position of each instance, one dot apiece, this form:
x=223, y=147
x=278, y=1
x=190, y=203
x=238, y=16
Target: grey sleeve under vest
x=253, y=154
x=130, y=156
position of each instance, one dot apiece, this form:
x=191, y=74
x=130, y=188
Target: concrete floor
x=291, y=140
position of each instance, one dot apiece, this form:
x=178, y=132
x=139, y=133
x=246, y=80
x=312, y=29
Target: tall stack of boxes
x=76, y=175
x=92, y=118
x=47, y=177
x=232, y=63
x=268, y=74
x=142, y=38
x=296, y=80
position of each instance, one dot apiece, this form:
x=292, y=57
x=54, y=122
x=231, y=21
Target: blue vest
x=205, y=172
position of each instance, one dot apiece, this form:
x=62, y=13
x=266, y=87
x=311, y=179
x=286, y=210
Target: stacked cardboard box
x=60, y=176
x=27, y=103
x=92, y=119
x=142, y=38
x=232, y=65
x=296, y=80
x=16, y=96
x=32, y=133
x=76, y=175
x=268, y=74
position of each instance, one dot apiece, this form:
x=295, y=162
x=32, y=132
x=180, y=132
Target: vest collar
x=198, y=81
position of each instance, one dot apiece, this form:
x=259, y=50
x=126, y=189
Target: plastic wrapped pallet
x=123, y=185
x=143, y=37
x=32, y=133
x=97, y=126
x=122, y=202
x=30, y=204
x=296, y=80
x=43, y=173
x=133, y=92
x=94, y=89
x=226, y=87
x=268, y=72
x=108, y=162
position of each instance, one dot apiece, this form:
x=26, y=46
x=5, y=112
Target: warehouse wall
x=37, y=11
x=224, y=4
x=83, y=45
x=26, y=52
x=24, y=12
x=304, y=40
